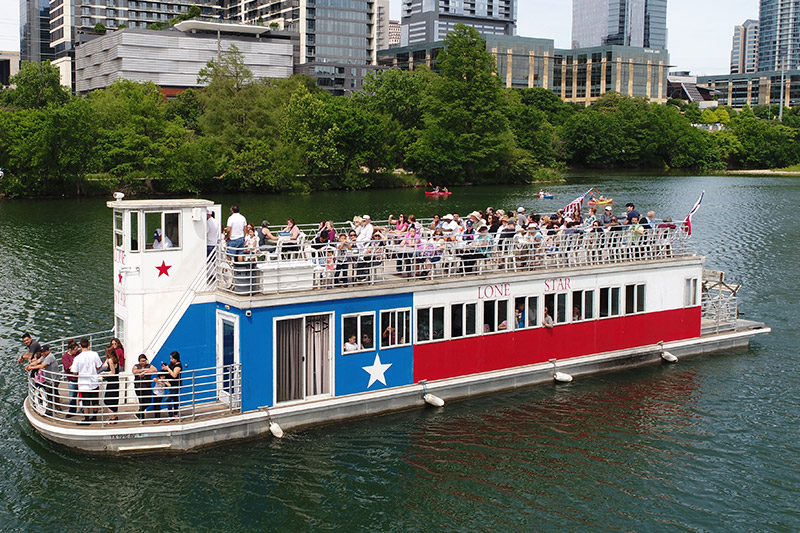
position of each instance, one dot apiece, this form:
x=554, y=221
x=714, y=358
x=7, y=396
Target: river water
x=711, y=443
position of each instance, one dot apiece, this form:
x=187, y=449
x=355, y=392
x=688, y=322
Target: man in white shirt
x=86, y=365
x=367, y=229
x=234, y=232
x=212, y=231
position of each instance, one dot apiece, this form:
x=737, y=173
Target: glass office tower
x=640, y=23
x=779, y=35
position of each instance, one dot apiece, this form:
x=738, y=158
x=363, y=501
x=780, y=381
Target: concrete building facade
x=431, y=20
x=744, y=47
x=173, y=58
x=9, y=65
x=575, y=75
x=639, y=23
x=339, y=39
x=757, y=88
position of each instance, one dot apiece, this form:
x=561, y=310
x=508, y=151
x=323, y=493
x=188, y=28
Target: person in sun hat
x=605, y=218
x=522, y=217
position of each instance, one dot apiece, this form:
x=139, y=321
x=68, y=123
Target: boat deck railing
x=125, y=400
x=300, y=266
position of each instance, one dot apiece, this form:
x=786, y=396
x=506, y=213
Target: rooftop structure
x=640, y=23
x=172, y=58
x=431, y=20
x=744, y=49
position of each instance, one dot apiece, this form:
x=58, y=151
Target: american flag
x=687, y=224
x=575, y=205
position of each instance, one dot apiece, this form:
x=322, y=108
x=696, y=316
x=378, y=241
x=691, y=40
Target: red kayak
x=431, y=193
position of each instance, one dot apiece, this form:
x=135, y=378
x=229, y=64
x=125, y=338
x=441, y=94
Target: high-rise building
x=384, y=24
x=779, y=35
x=431, y=20
x=34, y=29
x=744, y=50
x=395, y=32
x=339, y=39
x=641, y=23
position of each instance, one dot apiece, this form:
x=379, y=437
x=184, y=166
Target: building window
x=526, y=312
x=430, y=324
x=463, y=320
x=634, y=299
x=582, y=305
x=358, y=332
x=395, y=328
x=690, y=292
x=609, y=302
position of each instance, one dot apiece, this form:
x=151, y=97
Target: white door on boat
x=227, y=355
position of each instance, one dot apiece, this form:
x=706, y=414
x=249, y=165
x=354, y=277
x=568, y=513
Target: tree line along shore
x=451, y=127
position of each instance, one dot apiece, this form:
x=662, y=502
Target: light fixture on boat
x=118, y=196
x=667, y=356
x=429, y=398
x=561, y=377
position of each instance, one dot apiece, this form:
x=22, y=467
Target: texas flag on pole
x=575, y=205
x=687, y=224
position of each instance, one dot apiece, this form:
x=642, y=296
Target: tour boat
x=438, y=193
x=296, y=336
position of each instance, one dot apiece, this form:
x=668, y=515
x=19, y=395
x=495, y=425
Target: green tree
x=38, y=85
x=708, y=117
x=467, y=137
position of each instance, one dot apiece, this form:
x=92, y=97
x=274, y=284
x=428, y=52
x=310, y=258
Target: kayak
x=601, y=202
x=546, y=196
x=431, y=193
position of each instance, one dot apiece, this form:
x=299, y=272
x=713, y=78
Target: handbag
x=39, y=378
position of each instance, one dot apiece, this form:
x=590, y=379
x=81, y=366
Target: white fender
x=561, y=377
x=668, y=357
x=433, y=400
x=276, y=430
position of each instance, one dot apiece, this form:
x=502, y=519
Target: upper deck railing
x=299, y=265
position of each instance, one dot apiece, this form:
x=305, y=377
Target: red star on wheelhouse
x=163, y=269
x=120, y=278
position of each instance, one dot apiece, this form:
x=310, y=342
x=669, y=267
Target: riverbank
x=764, y=172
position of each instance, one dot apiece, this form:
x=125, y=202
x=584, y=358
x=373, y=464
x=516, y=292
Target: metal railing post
x=194, y=402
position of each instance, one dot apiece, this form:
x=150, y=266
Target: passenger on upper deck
x=119, y=350
x=325, y=235
x=173, y=370
x=401, y=226
x=649, y=222
x=632, y=212
x=160, y=241
x=250, y=242
x=212, y=231
x=436, y=222
x=72, y=378
x=591, y=218
x=33, y=348
x=234, y=233
x=86, y=365
x=522, y=218
x=266, y=237
x=141, y=381
x=605, y=218
x=367, y=229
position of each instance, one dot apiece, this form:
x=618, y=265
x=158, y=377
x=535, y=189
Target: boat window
x=634, y=298
x=165, y=225
x=690, y=292
x=430, y=324
x=358, y=332
x=582, y=305
x=463, y=320
x=609, y=301
x=556, y=305
x=119, y=242
x=395, y=328
x=135, y=231
x=495, y=315
x=526, y=312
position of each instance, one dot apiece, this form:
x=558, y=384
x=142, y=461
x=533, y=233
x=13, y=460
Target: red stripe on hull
x=473, y=355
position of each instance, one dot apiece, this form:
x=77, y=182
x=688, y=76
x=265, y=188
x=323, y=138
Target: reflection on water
x=707, y=442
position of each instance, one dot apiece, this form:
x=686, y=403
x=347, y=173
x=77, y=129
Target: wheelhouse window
x=526, y=312
x=430, y=324
x=395, y=328
x=495, y=315
x=609, y=301
x=690, y=292
x=135, y=232
x=119, y=241
x=582, y=305
x=556, y=305
x=463, y=320
x=634, y=298
x=162, y=231
x=358, y=332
